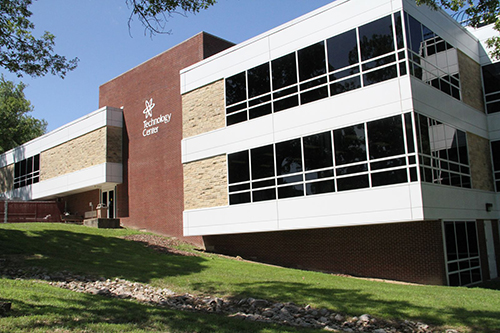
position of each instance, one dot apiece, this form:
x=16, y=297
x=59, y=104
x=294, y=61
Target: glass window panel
x=454, y=280
x=413, y=174
x=29, y=165
x=453, y=267
x=352, y=183
x=462, y=147
x=239, y=198
x=376, y=38
x=236, y=107
x=380, y=75
x=36, y=163
x=236, y=88
x=399, y=30
x=290, y=179
x=491, y=78
x=350, y=145
x=424, y=139
x=236, y=118
x=259, y=111
x=285, y=92
x=284, y=71
x=326, y=186
x=451, y=248
x=409, y=133
x=342, y=50
x=288, y=157
x=318, y=151
x=238, y=166
x=461, y=234
x=379, y=62
x=385, y=137
x=17, y=170
x=393, y=162
x=259, y=100
x=259, y=82
x=389, y=177
x=344, y=73
x=495, y=149
x=263, y=195
x=286, y=103
x=465, y=278
x=493, y=107
x=466, y=181
x=402, y=68
x=472, y=239
x=312, y=61
x=240, y=187
x=313, y=83
x=319, y=174
x=291, y=191
x=352, y=169
x=23, y=167
x=262, y=162
x=314, y=95
x=345, y=85
x=414, y=35
x=476, y=275
x=264, y=183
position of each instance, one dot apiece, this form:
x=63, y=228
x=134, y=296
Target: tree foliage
x=479, y=12
x=21, y=52
x=16, y=126
x=154, y=14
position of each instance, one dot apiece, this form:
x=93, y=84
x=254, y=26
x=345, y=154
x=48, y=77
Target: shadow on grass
x=45, y=308
x=96, y=255
x=357, y=302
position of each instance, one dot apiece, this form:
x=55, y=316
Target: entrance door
x=108, y=198
x=490, y=248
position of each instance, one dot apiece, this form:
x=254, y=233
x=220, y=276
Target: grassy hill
x=98, y=252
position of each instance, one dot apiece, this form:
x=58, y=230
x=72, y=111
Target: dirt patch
x=161, y=244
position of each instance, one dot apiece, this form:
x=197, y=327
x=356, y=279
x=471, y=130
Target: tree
x=153, y=14
x=16, y=126
x=22, y=53
x=479, y=12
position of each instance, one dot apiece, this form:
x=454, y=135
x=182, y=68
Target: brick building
x=357, y=142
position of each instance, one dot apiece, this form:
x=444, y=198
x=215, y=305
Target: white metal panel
x=434, y=103
x=451, y=203
x=70, y=131
x=367, y=206
x=88, y=177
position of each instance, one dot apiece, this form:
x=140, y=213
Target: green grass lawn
x=102, y=253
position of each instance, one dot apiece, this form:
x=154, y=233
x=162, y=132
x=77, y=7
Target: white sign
x=152, y=125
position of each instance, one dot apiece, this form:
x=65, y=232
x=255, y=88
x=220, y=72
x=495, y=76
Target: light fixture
x=489, y=207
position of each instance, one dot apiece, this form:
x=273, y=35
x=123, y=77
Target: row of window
x=376, y=153
x=351, y=60
x=432, y=59
x=27, y=171
x=495, y=153
x=462, y=253
x=443, y=153
x=369, y=54
x=491, y=80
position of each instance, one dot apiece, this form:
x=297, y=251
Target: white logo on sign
x=148, y=111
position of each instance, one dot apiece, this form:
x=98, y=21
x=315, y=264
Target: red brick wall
x=151, y=196
x=400, y=251
x=78, y=204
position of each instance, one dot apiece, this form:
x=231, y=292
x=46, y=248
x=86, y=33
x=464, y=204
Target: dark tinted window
x=352, y=183
x=239, y=167
x=342, y=50
x=236, y=88
x=414, y=35
x=284, y=71
x=350, y=144
x=258, y=80
x=376, y=38
x=288, y=157
x=262, y=162
x=318, y=151
x=312, y=61
x=385, y=137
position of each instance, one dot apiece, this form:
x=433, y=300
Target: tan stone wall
x=470, y=80
x=203, y=109
x=480, y=162
x=80, y=153
x=114, y=144
x=205, y=183
x=7, y=178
